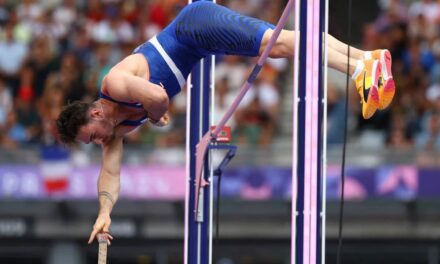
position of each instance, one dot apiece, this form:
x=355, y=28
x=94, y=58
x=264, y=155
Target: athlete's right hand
x=102, y=225
x=163, y=121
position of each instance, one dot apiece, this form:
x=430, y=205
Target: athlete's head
x=85, y=122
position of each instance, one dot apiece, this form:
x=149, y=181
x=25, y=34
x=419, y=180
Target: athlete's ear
x=96, y=113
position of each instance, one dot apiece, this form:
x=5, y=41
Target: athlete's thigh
x=215, y=29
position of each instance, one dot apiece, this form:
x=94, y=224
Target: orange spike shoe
x=366, y=84
x=386, y=86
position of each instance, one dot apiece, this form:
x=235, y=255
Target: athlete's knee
x=284, y=44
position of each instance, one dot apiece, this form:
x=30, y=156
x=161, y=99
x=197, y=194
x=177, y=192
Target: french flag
x=55, y=169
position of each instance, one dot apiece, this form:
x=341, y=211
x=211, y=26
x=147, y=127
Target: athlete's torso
x=202, y=28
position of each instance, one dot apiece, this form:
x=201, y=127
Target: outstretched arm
x=108, y=185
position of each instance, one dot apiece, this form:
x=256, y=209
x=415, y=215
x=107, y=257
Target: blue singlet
x=201, y=28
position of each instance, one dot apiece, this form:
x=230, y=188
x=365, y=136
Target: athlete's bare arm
x=108, y=184
x=126, y=82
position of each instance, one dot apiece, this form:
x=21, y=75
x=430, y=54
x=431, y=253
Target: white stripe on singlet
x=169, y=61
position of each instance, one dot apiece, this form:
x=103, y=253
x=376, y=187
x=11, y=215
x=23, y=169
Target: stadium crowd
x=55, y=51
x=411, y=31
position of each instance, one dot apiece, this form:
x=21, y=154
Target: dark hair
x=71, y=118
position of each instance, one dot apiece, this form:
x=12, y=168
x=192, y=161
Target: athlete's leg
x=338, y=61
x=285, y=43
x=365, y=73
x=341, y=47
x=386, y=88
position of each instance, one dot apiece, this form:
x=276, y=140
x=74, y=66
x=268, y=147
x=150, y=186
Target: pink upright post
x=307, y=137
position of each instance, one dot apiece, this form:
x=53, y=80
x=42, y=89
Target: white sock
x=359, y=67
x=367, y=55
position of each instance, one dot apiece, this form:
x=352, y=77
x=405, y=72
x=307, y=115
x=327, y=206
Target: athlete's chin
x=108, y=139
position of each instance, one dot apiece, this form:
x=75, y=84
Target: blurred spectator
x=272, y=11
x=399, y=136
x=26, y=90
x=49, y=107
x=130, y=11
x=65, y=14
x=56, y=51
x=95, y=12
x=113, y=28
x=29, y=11
x=257, y=115
x=100, y=63
x=426, y=8
x=15, y=133
x=22, y=125
x=422, y=29
x=43, y=59
x=147, y=28
x=21, y=30
x=44, y=25
x=158, y=13
x=370, y=37
x=81, y=45
x=12, y=56
x=4, y=13
x=336, y=114
x=268, y=94
x=394, y=12
x=178, y=112
x=223, y=100
x=69, y=78
x=51, y=101
x=28, y=118
x=234, y=68
x=6, y=104
x=429, y=136
x=389, y=28
x=248, y=8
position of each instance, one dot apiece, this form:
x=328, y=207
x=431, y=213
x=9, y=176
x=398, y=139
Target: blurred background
x=56, y=51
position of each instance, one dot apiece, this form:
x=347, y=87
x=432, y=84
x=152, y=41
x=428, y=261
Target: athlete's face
x=98, y=130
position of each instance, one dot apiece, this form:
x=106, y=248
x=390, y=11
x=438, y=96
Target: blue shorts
x=201, y=28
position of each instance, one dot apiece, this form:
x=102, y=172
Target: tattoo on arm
x=108, y=196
